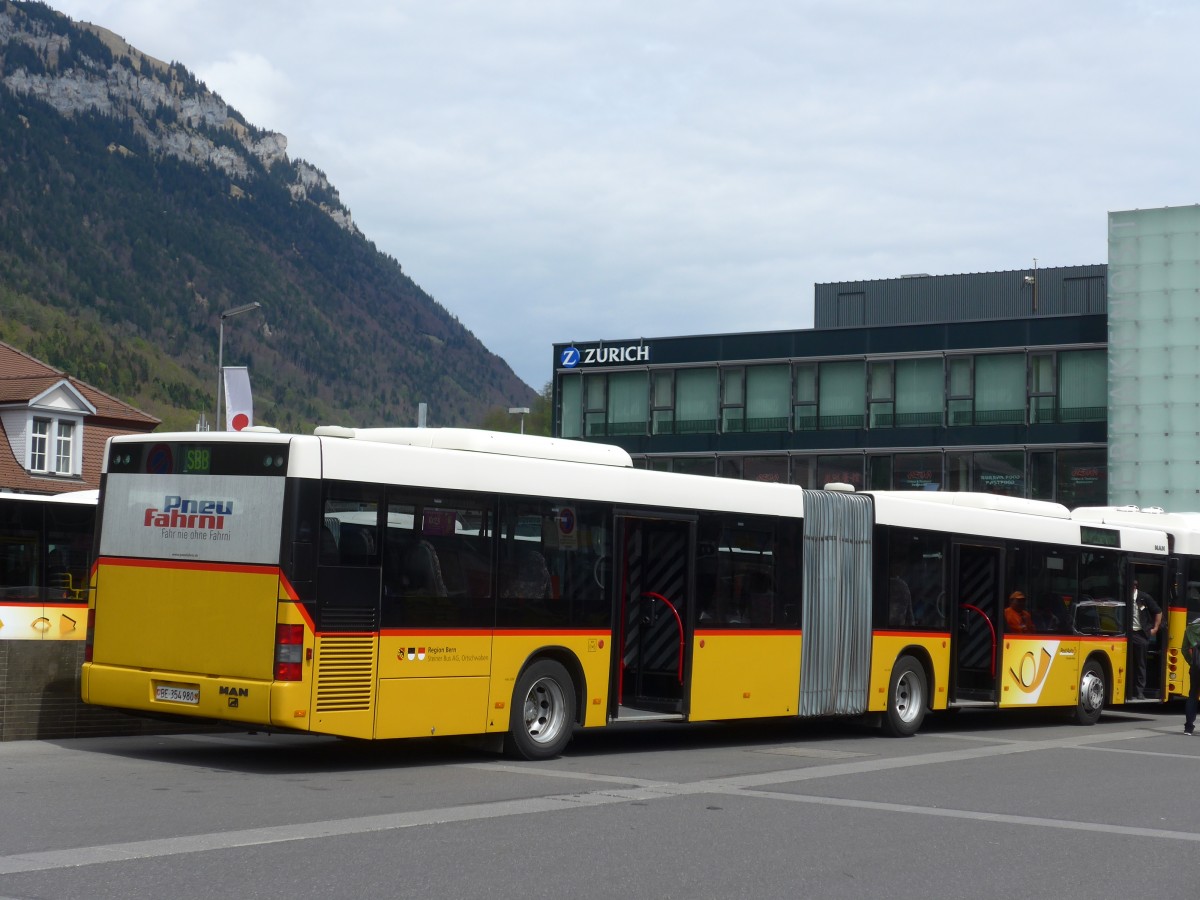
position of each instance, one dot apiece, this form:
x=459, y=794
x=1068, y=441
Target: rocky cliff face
x=83, y=67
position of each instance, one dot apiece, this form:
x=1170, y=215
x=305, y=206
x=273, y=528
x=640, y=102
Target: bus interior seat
x=422, y=571
x=528, y=577
x=329, y=547
x=358, y=547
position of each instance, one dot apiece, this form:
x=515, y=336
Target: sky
x=554, y=171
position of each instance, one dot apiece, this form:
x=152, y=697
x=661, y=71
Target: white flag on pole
x=239, y=405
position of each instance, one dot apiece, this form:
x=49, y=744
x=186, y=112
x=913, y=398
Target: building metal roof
x=980, y=296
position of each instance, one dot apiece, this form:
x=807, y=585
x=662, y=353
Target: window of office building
x=755, y=398
x=1000, y=389
x=803, y=471
x=696, y=401
x=729, y=467
x=879, y=473
x=999, y=472
x=1042, y=389
x=1041, y=475
x=594, y=402
x=804, y=397
x=662, y=402
x=768, y=396
x=917, y=472
x=570, y=398
x=627, y=403
x=765, y=468
x=694, y=465
x=844, y=469
x=958, y=471
x=960, y=390
x=1082, y=478
x=843, y=394
x=733, y=399
x=920, y=385
x=1083, y=386
x=881, y=395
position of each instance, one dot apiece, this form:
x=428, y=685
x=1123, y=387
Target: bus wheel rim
x=544, y=710
x=907, y=697
x=1091, y=692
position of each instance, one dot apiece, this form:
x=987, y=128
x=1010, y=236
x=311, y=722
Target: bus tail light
x=289, y=652
x=91, y=636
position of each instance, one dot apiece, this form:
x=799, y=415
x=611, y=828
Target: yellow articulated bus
x=45, y=563
x=1178, y=595
x=394, y=583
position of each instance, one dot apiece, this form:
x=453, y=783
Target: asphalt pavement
x=980, y=804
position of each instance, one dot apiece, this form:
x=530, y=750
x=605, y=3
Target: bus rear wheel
x=907, y=693
x=1092, y=691
x=543, y=712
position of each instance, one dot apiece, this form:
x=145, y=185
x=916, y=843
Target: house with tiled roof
x=53, y=427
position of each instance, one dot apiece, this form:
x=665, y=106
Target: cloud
x=555, y=171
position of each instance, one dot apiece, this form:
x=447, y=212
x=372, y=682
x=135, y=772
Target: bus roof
x=478, y=441
x=991, y=515
x=1184, y=528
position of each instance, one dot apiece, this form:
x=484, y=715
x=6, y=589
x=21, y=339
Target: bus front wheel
x=543, y=712
x=1092, y=690
x=906, y=698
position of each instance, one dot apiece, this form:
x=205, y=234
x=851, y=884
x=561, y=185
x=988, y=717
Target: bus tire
x=543, y=712
x=907, y=692
x=1092, y=692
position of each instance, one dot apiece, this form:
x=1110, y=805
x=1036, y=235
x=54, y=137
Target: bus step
x=971, y=704
x=629, y=714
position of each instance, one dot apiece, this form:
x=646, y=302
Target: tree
x=539, y=420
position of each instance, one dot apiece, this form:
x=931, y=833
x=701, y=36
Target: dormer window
x=39, y=439
x=52, y=446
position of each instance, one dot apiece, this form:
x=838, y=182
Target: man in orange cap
x=1016, y=616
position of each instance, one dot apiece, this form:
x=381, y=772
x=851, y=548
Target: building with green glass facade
x=994, y=381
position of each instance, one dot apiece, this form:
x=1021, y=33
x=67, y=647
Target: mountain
x=136, y=206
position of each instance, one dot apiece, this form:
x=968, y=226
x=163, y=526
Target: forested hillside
x=135, y=206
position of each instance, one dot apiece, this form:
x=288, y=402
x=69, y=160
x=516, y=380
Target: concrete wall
x=39, y=697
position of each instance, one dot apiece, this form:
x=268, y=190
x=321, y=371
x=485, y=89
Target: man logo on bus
x=570, y=358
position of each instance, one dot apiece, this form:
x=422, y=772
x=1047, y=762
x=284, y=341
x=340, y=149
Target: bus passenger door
x=978, y=583
x=1151, y=579
x=654, y=591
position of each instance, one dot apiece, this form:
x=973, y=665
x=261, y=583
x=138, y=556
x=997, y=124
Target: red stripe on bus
x=912, y=634
x=39, y=604
x=243, y=568
x=747, y=632
x=287, y=587
x=308, y=620
x=494, y=632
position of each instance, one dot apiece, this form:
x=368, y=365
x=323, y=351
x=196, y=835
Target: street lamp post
x=521, y=411
x=228, y=314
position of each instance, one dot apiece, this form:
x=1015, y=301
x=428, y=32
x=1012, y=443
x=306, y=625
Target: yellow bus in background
x=45, y=563
x=395, y=583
